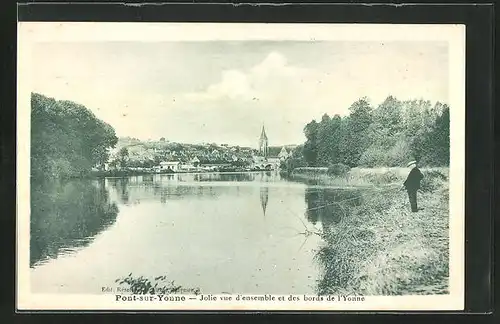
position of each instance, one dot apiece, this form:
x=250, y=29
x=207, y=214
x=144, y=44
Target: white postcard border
x=454, y=35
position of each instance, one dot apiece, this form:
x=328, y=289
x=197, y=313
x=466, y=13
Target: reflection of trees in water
x=221, y=177
x=182, y=185
x=65, y=215
x=121, y=186
x=334, y=209
x=164, y=189
x=328, y=206
x=123, y=189
x=149, y=178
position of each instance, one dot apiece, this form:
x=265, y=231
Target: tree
x=383, y=134
x=323, y=141
x=390, y=135
x=123, y=156
x=66, y=139
x=437, y=141
x=328, y=140
x=295, y=160
x=356, y=137
x=388, y=116
x=310, y=149
x=418, y=122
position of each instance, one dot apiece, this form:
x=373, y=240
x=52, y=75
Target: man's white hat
x=411, y=163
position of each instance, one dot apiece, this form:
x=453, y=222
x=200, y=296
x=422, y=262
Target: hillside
x=148, y=153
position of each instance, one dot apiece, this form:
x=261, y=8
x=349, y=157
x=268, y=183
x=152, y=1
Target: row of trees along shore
x=389, y=135
x=67, y=139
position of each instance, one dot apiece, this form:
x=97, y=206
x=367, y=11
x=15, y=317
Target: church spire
x=263, y=135
x=263, y=143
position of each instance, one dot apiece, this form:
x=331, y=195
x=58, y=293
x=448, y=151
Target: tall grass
x=381, y=248
x=364, y=177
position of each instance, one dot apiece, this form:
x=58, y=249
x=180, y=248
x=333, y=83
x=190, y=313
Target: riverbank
x=381, y=247
x=133, y=173
x=360, y=177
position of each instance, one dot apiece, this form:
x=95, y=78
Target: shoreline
x=373, y=244
x=382, y=248
x=99, y=175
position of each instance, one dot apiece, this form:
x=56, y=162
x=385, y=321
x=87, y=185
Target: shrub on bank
x=383, y=178
x=338, y=170
x=433, y=180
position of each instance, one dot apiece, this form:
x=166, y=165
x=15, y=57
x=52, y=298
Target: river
x=241, y=233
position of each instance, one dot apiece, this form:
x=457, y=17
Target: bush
x=399, y=154
x=377, y=156
x=338, y=169
x=433, y=180
x=373, y=157
x=389, y=177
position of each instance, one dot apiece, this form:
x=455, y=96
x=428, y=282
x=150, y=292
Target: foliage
x=338, y=169
x=123, y=156
x=310, y=149
x=437, y=140
x=67, y=139
x=311, y=170
x=356, y=140
x=66, y=215
x=295, y=160
x=389, y=135
x=146, y=154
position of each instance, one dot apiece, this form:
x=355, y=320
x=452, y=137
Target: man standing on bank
x=412, y=184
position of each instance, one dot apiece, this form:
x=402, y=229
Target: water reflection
x=336, y=211
x=264, y=197
x=165, y=187
x=67, y=215
x=200, y=230
x=328, y=206
x=237, y=177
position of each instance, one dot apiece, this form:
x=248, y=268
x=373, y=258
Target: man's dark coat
x=412, y=184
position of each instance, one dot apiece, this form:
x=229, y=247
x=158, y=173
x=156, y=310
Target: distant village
x=162, y=156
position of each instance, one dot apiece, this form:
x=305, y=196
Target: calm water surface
x=222, y=233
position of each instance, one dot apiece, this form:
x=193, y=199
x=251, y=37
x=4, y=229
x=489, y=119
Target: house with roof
x=195, y=161
x=170, y=166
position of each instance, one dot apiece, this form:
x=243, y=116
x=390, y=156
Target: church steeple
x=263, y=143
x=263, y=136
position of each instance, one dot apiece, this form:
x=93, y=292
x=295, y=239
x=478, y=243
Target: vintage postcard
x=215, y=166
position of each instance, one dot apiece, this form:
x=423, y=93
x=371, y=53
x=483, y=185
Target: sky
x=224, y=91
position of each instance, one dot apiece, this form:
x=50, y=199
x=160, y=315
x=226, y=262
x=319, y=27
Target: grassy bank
x=380, y=247
x=363, y=177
